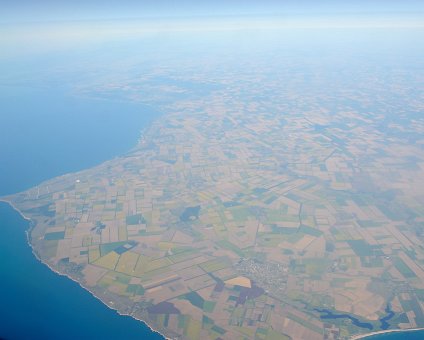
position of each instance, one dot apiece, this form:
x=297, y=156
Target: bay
x=47, y=132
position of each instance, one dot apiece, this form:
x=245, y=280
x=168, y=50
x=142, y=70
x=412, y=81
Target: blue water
x=385, y=324
x=49, y=132
x=414, y=335
x=408, y=335
x=39, y=304
x=327, y=314
x=45, y=133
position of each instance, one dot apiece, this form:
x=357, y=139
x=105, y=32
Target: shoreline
x=28, y=237
x=365, y=336
x=31, y=224
x=18, y=211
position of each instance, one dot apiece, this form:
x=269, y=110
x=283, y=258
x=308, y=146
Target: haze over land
x=279, y=192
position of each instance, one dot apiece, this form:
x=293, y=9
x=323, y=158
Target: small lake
x=329, y=315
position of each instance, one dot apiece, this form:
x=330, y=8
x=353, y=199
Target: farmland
x=241, y=217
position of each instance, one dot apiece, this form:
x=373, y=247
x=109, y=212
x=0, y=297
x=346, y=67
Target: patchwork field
x=249, y=216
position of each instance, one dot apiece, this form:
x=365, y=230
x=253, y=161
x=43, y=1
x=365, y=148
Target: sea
x=407, y=335
x=46, y=132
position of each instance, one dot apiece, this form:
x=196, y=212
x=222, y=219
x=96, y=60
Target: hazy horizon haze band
x=46, y=10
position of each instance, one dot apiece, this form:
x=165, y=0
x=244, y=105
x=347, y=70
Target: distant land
x=278, y=195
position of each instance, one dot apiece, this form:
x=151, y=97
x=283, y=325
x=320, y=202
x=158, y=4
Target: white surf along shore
x=28, y=238
x=366, y=336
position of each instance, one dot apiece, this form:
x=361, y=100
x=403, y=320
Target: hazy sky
x=40, y=25
x=48, y=10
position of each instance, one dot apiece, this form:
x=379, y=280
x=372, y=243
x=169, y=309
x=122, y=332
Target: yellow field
x=108, y=261
x=127, y=262
x=93, y=253
x=239, y=281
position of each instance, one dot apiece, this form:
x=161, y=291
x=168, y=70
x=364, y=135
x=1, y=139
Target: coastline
x=365, y=336
x=8, y=198
x=17, y=210
x=28, y=238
